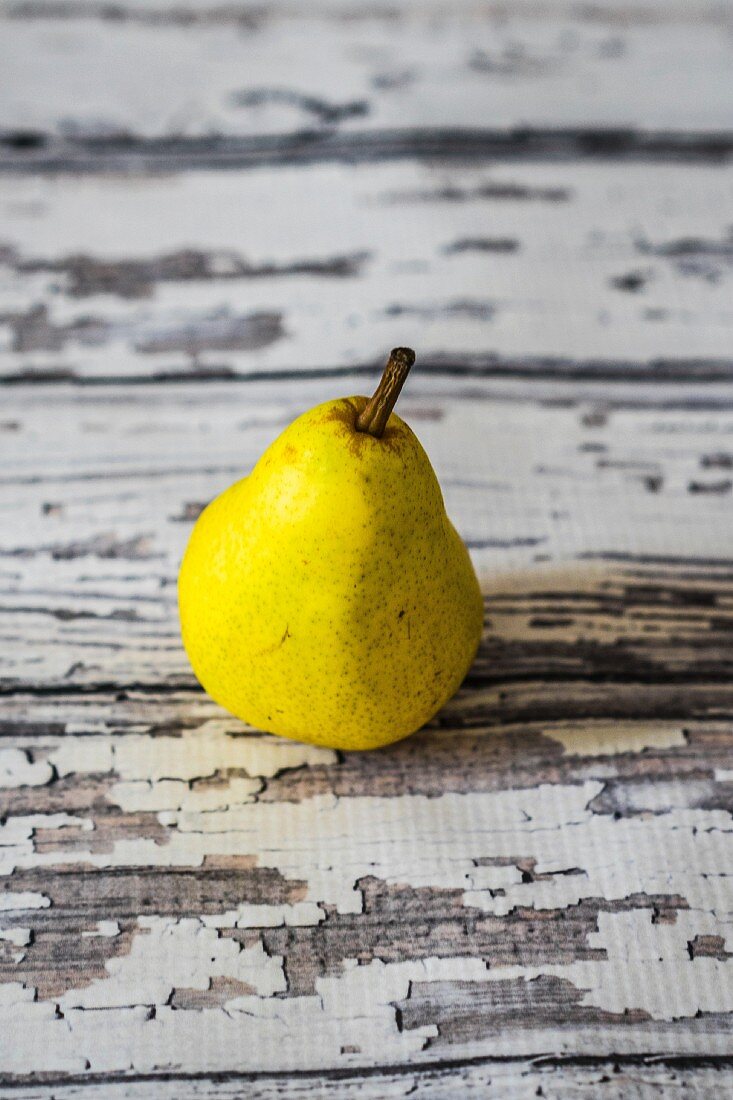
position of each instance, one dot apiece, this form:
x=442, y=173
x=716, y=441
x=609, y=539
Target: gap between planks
x=27, y=151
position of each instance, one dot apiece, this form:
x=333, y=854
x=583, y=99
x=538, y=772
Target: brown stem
x=377, y=410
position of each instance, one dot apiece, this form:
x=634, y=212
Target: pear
x=327, y=597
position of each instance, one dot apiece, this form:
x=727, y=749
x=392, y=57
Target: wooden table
x=212, y=216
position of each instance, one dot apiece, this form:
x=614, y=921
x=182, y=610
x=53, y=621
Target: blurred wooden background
x=213, y=216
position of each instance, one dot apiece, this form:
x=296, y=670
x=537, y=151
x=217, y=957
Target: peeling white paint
x=105, y=928
x=435, y=842
x=614, y=738
x=18, y=770
x=14, y=900
x=19, y=937
x=83, y=755
x=13, y=993
x=537, y=486
x=219, y=744
x=249, y=1032
x=212, y=748
x=254, y=1032
x=637, y=974
x=176, y=794
x=488, y=877
x=298, y=915
x=16, y=836
x=168, y=953
x=446, y=842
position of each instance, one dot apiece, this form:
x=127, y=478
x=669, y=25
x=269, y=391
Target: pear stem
x=376, y=412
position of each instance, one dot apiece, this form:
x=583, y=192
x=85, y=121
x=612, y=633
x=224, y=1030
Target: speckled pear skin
x=327, y=597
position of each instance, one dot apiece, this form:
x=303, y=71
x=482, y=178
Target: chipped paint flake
x=83, y=755
x=19, y=937
x=167, y=953
x=106, y=928
x=13, y=993
x=19, y=900
x=17, y=769
x=167, y=795
x=299, y=915
x=218, y=745
x=614, y=738
x=642, y=968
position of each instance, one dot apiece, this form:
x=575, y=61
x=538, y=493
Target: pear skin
x=327, y=597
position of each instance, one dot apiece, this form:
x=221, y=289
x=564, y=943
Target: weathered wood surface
x=537, y=874
x=541, y=873
x=240, y=273
x=524, y=1081
x=78, y=70
x=104, y=490
x=531, y=896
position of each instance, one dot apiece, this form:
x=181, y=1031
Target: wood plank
x=566, y=898
x=530, y=896
x=166, y=892
x=101, y=488
x=25, y=152
x=241, y=274
x=605, y=1079
x=76, y=69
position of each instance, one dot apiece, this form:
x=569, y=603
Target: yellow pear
x=327, y=597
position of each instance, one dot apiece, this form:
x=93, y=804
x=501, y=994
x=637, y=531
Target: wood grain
x=481, y=916
x=104, y=488
x=117, y=844
x=627, y=1076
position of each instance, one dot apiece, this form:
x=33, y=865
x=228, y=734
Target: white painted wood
x=520, y=1082
x=107, y=465
x=576, y=850
x=100, y=488
x=531, y=896
x=427, y=65
x=463, y=281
